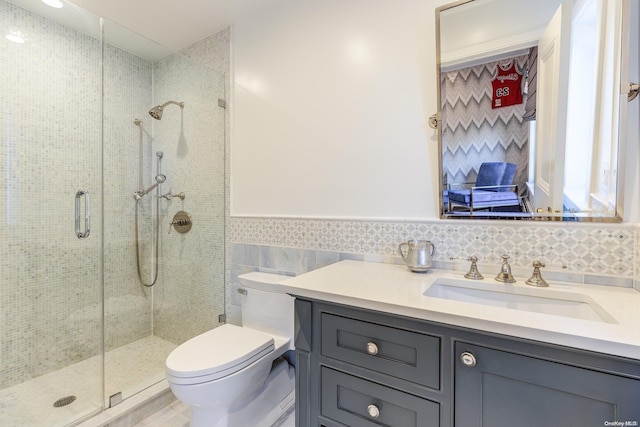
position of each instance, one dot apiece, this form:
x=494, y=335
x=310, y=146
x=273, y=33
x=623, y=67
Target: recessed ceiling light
x=15, y=36
x=53, y=3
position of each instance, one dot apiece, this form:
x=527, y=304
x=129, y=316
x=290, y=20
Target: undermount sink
x=536, y=300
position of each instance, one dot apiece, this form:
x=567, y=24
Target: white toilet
x=226, y=375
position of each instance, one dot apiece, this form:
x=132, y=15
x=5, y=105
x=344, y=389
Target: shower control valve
x=181, y=222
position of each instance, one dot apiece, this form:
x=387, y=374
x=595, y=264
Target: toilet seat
x=217, y=353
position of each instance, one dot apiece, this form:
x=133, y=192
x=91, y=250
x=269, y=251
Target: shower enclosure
x=79, y=331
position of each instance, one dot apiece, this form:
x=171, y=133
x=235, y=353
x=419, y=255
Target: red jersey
x=507, y=86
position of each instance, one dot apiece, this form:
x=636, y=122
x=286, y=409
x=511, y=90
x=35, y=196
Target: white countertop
x=394, y=289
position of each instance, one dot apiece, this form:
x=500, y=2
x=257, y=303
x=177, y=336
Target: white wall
x=331, y=101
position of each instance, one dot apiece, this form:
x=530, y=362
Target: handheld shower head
x=156, y=112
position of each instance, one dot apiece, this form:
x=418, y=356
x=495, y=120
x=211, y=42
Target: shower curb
x=134, y=409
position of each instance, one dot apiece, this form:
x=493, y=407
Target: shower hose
x=157, y=243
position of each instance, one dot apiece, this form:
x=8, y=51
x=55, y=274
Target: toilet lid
x=218, y=353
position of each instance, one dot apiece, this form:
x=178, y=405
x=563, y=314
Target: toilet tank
x=264, y=307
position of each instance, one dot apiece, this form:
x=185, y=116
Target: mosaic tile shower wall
x=215, y=52
x=127, y=96
x=50, y=125
x=190, y=293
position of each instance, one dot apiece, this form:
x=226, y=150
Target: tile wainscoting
x=603, y=254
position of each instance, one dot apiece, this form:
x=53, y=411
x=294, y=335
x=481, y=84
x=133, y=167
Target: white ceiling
x=175, y=24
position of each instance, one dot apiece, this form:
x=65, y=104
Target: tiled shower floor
x=127, y=369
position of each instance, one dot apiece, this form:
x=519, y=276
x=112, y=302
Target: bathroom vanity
x=376, y=345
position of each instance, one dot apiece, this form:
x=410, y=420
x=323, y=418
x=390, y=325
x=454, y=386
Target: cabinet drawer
x=357, y=402
x=400, y=353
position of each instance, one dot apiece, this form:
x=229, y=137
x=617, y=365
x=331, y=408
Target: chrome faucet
x=505, y=271
x=536, y=278
x=473, y=272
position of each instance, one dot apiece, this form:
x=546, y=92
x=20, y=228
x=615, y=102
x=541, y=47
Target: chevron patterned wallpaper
x=473, y=132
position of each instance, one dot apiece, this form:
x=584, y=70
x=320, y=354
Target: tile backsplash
x=603, y=254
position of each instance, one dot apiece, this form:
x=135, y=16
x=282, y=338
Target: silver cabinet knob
x=372, y=348
x=373, y=411
x=468, y=359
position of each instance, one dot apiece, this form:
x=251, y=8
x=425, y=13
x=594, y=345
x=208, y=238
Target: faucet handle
x=536, y=277
x=473, y=272
x=505, y=271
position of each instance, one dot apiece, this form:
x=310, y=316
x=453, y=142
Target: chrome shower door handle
x=87, y=214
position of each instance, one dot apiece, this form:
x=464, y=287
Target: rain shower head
x=156, y=112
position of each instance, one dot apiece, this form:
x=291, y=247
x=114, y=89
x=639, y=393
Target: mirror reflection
x=529, y=108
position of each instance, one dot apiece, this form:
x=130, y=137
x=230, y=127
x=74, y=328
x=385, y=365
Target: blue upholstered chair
x=493, y=188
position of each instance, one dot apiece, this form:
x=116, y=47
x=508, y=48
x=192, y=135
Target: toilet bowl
x=224, y=374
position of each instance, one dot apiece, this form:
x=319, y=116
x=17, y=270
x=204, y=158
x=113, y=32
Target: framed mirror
x=529, y=106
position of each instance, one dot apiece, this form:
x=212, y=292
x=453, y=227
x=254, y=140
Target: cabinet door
x=497, y=388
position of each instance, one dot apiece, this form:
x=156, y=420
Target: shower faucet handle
x=536, y=278
x=169, y=195
x=178, y=223
x=473, y=272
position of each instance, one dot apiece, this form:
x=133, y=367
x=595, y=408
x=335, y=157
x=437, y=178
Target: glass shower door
x=50, y=206
x=163, y=156
x=79, y=327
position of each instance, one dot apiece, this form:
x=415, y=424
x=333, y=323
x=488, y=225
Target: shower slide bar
x=141, y=193
x=87, y=214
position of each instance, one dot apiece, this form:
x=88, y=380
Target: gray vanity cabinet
x=357, y=369
x=360, y=368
